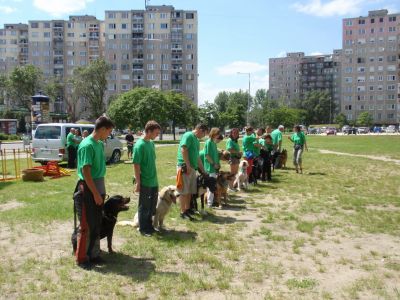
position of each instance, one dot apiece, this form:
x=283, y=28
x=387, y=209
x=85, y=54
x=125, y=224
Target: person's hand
x=137, y=188
x=217, y=166
x=98, y=199
x=189, y=169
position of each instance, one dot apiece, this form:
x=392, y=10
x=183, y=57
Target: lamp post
x=248, y=98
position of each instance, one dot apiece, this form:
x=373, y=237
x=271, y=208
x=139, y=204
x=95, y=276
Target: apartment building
x=293, y=76
x=156, y=47
x=370, y=66
x=284, y=77
x=13, y=46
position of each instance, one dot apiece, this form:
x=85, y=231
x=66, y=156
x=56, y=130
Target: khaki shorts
x=189, y=183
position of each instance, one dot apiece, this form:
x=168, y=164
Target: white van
x=50, y=141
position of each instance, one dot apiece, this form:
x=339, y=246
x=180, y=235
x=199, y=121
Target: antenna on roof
x=146, y=2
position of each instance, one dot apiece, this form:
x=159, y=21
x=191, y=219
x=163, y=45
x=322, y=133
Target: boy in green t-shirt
x=89, y=207
x=144, y=165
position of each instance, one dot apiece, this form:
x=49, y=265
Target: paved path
x=382, y=158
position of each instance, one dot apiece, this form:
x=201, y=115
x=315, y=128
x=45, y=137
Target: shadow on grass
x=4, y=184
x=316, y=173
x=139, y=269
x=218, y=219
x=176, y=236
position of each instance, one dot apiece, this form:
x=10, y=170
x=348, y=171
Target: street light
x=248, y=98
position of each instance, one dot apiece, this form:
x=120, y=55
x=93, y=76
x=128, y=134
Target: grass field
x=330, y=233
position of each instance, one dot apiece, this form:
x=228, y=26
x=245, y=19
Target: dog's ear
x=162, y=192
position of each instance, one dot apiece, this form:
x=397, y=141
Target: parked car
x=312, y=130
x=49, y=143
x=383, y=128
x=391, y=129
x=362, y=130
x=349, y=130
x=330, y=131
x=377, y=129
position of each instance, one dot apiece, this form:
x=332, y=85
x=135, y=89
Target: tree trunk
x=173, y=130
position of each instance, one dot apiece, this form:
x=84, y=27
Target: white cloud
x=281, y=54
x=7, y=9
x=241, y=66
x=316, y=53
x=60, y=7
x=331, y=8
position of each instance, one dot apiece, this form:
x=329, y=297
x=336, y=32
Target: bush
x=7, y=137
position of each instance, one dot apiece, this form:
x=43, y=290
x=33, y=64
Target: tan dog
x=242, y=180
x=224, y=155
x=166, y=197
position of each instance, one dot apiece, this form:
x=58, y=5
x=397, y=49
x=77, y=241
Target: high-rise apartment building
x=156, y=47
x=13, y=46
x=293, y=76
x=370, y=67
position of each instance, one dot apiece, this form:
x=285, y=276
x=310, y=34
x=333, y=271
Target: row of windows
x=371, y=107
x=362, y=31
x=127, y=87
x=113, y=76
x=378, y=116
x=360, y=97
x=162, y=15
x=372, y=20
x=371, y=88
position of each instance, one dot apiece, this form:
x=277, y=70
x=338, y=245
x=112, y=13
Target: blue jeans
x=147, y=207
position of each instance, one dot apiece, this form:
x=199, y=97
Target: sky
x=234, y=36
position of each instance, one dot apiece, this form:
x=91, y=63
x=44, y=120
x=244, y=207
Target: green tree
x=208, y=114
x=365, y=119
x=341, y=120
x=319, y=107
x=53, y=88
x=25, y=81
x=90, y=84
x=180, y=110
x=286, y=116
x=4, y=88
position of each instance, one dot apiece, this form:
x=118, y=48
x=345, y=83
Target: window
x=151, y=26
x=372, y=21
x=189, y=15
x=349, y=23
x=124, y=26
x=348, y=79
x=189, y=67
x=392, y=19
x=380, y=87
x=163, y=16
x=361, y=31
x=361, y=88
x=151, y=77
x=371, y=78
x=361, y=79
x=392, y=29
x=112, y=26
x=35, y=34
x=361, y=22
x=82, y=53
x=372, y=69
x=391, y=87
x=189, y=36
x=35, y=25
x=361, y=69
x=124, y=15
x=391, y=78
x=46, y=34
x=165, y=77
x=125, y=76
x=150, y=15
x=349, y=32
x=391, y=97
x=371, y=88
x=391, y=68
x=347, y=107
x=125, y=87
x=70, y=34
x=150, y=66
x=111, y=15
x=380, y=78
x=380, y=20
x=163, y=25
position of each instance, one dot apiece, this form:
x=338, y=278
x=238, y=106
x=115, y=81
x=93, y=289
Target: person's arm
x=136, y=168
x=290, y=139
x=90, y=183
x=201, y=167
x=185, y=155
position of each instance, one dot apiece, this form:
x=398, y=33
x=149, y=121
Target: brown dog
x=223, y=179
x=283, y=158
x=224, y=155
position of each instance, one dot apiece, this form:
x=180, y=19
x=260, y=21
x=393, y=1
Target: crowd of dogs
x=168, y=195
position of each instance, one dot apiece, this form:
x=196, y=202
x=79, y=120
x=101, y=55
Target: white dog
x=242, y=180
x=166, y=197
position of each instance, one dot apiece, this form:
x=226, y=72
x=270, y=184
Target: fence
x=12, y=162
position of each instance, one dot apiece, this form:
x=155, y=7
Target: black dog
x=203, y=182
x=255, y=174
x=113, y=206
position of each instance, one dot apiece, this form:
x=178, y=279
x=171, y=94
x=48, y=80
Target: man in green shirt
x=144, y=165
x=188, y=162
x=71, y=148
x=91, y=172
x=277, y=143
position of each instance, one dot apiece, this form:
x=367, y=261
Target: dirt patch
x=381, y=158
x=10, y=205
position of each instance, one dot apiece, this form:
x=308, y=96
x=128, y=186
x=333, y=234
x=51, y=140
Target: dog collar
x=110, y=217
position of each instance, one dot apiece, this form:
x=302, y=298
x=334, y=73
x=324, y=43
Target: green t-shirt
x=248, y=143
x=257, y=149
x=202, y=156
x=231, y=144
x=210, y=149
x=70, y=139
x=276, y=136
x=91, y=152
x=298, y=138
x=193, y=146
x=144, y=154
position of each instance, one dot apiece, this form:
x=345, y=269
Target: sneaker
x=97, y=260
x=186, y=216
x=145, y=233
x=87, y=265
x=190, y=212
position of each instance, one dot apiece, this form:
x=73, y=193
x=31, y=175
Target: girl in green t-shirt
x=298, y=138
x=233, y=148
x=211, y=159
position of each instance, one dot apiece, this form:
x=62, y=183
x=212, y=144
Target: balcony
x=176, y=81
